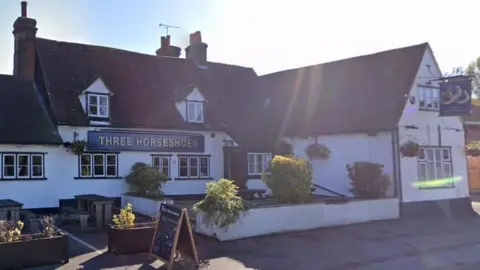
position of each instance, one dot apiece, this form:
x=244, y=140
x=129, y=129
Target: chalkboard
x=172, y=233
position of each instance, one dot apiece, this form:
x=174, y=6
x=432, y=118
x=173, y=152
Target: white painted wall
x=427, y=134
x=284, y=218
x=213, y=147
x=346, y=149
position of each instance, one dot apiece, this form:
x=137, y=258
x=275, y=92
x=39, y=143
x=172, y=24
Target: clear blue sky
x=268, y=35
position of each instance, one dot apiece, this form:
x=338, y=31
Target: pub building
x=185, y=116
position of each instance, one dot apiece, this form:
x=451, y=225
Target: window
x=98, y=165
x=196, y=167
x=195, y=112
x=162, y=163
x=428, y=98
x=435, y=163
x=258, y=162
x=22, y=166
x=97, y=105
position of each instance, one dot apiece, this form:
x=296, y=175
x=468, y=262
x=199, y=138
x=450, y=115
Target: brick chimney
x=24, y=31
x=166, y=49
x=197, y=50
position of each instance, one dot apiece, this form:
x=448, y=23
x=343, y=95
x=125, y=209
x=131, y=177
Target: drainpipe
x=399, y=168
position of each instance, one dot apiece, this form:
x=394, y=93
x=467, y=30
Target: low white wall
x=268, y=220
x=144, y=206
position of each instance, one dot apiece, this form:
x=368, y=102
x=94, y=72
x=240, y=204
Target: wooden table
x=10, y=210
x=101, y=205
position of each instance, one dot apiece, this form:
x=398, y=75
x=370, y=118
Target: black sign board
x=173, y=233
x=455, y=97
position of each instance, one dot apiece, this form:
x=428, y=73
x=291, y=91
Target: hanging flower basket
x=283, y=148
x=78, y=147
x=318, y=150
x=410, y=149
x=473, y=149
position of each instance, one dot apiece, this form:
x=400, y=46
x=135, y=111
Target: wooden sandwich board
x=173, y=233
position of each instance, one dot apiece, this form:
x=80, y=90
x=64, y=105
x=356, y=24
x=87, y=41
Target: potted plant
x=146, y=182
x=19, y=250
x=410, y=149
x=127, y=237
x=473, y=149
x=78, y=147
x=317, y=150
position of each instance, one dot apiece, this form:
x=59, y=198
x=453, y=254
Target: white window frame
x=198, y=159
x=17, y=165
x=32, y=165
x=14, y=166
x=160, y=166
x=81, y=165
x=434, y=161
x=106, y=106
x=428, y=95
x=197, y=107
x=92, y=165
x=265, y=157
x=109, y=165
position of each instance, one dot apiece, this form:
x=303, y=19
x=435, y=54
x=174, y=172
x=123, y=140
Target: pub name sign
x=145, y=141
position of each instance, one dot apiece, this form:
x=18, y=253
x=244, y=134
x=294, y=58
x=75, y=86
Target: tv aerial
x=167, y=26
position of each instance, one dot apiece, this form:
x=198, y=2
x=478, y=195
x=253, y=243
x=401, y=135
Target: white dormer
x=192, y=106
x=95, y=102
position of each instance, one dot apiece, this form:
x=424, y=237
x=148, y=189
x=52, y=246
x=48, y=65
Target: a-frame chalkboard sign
x=173, y=233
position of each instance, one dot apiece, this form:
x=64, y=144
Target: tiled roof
x=360, y=94
x=23, y=117
x=144, y=87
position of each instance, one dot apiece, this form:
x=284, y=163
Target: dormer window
x=98, y=105
x=195, y=111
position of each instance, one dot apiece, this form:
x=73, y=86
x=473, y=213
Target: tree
x=473, y=69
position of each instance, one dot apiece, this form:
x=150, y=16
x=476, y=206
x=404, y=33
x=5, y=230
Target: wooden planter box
x=35, y=252
x=129, y=241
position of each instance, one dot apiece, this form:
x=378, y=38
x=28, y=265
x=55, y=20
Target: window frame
x=443, y=161
x=16, y=157
x=98, y=96
x=196, y=105
x=104, y=164
x=421, y=90
x=255, y=162
x=169, y=167
x=198, y=159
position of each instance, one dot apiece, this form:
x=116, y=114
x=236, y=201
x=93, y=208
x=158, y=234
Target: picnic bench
x=31, y=219
x=251, y=194
x=75, y=215
x=97, y=205
x=10, y=210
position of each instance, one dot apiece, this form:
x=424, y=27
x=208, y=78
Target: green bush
x=289, y=178
x=367, y=179
x=221, y=205
x=145, y=179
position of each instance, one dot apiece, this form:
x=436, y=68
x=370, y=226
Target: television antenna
x=166, y=26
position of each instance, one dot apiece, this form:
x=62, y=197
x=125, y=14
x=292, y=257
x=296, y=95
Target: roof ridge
x=134, y=52
x=347, y=59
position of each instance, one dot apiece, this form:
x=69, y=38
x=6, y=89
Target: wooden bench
x=31, y=219
x=73, y=214
x=251, y=194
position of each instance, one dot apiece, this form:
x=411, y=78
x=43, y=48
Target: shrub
x=147, y=180
x=289, y=178
x=221, y=205
x=367, y=180
x=10, y=231
x=126, y=218
x=48, y=224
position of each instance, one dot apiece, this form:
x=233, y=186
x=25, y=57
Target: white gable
x=195, y=95
x=429, y=129
x=97, y=87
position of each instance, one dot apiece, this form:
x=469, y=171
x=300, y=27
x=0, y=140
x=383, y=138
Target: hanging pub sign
x=120, y=140
x=455, y=97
